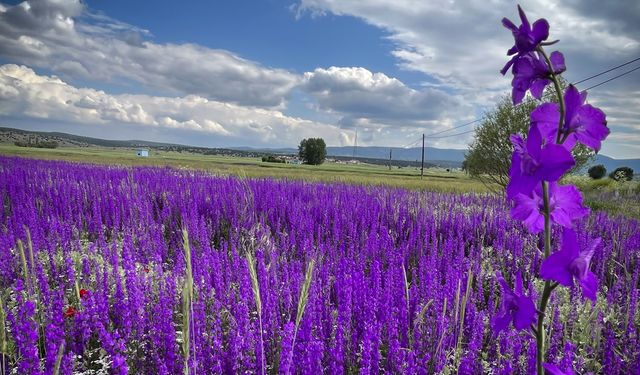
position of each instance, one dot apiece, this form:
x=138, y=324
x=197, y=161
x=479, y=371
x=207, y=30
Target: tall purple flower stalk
x=536, y=168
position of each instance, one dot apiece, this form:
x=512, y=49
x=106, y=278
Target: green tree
x=597, y=171
x=312, y=151
x=489, y=156
x=622, y=174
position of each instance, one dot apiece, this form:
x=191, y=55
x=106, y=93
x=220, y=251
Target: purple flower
x=526, y=37
x=531, y=72
x=569, y=263
x=565, y=205
x=516, y=306
x=582, y=122
x=533, y=162
x=555, y=370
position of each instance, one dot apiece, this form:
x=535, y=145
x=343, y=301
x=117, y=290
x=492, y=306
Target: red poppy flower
x=70, y=312
x=84, y=293
x=146, y=269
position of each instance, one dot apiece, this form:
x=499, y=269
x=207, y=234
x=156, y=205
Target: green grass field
x=601, y=195
x=434, y=179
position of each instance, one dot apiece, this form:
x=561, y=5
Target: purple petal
x=588, y=254
x=554, y=161
x=518, y=286
x=590, y=126
x=566, y=202
x=537, y=88
x=589, y=286
x=557, y=62
x=534, y=142
x=570, y=243
x=555, y=370
x=540, y=30
x=517, y=94
x=546, y=117
x=527, y=210
x=526, y=314
x=523, y=18
x=499, y=323
x=509, y=25
x=572, y=102
x=506, y=67
x=556, y=267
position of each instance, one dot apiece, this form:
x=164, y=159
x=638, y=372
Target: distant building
x=142, y=152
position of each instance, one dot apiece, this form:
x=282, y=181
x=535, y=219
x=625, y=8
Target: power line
x=454, y=135
x=606, y=71
x=611, y=79
x=455, y=127
x=574, y=83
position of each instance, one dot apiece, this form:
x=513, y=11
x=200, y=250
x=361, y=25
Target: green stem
x=546, y=293
x=556, y=84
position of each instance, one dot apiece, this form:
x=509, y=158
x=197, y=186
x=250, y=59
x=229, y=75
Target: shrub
x=622, y=174
x=597, y=171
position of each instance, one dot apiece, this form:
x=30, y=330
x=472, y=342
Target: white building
x=142, y=152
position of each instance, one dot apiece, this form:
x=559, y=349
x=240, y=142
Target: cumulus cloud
x=48, y=98
x=363, y=97
x=63, y=36
x=461, y=45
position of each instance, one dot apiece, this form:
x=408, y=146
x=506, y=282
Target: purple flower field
x=286, y=277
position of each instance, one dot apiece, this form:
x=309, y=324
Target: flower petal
x=556, y=268
x=501, y=322
x=554, y=161
x=523, y=18
x=527, y=210
x=540, y=30
x=546, y=117
x=526, y=313
x=589, y=286
x=537, y=87
x=590, y=126
x=557, y=62
x=572, y=102
x=509, y=25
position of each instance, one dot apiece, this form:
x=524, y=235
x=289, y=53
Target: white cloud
x=363, y=97
x=462, y=45
x=54, y=35
x=47, y=98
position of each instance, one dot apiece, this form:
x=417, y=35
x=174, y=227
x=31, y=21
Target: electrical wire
x=431, y=136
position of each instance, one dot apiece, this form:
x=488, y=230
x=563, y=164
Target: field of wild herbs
x=107, y=270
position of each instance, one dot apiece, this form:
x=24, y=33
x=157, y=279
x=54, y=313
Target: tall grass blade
x=56, y=369
x=187, y=300
x=256, y=295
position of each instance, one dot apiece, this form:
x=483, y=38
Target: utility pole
x=390, y=158
x=355, y=143
x=422, y=165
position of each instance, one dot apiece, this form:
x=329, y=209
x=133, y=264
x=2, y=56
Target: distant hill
x=448, y=158
x=611, y=164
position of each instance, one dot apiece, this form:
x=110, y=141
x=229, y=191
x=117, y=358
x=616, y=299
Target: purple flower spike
x=569, y=263
x=516, y=306
x=565, y=205
x=531, y=72
x=533, y=162
x=582, y=122
x=555, y=370
x=527, y=38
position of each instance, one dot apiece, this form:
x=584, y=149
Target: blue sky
x=269, y=73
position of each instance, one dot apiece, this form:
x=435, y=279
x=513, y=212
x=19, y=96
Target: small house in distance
x=142, y=152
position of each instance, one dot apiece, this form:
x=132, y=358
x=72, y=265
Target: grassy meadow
x=364, y=174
